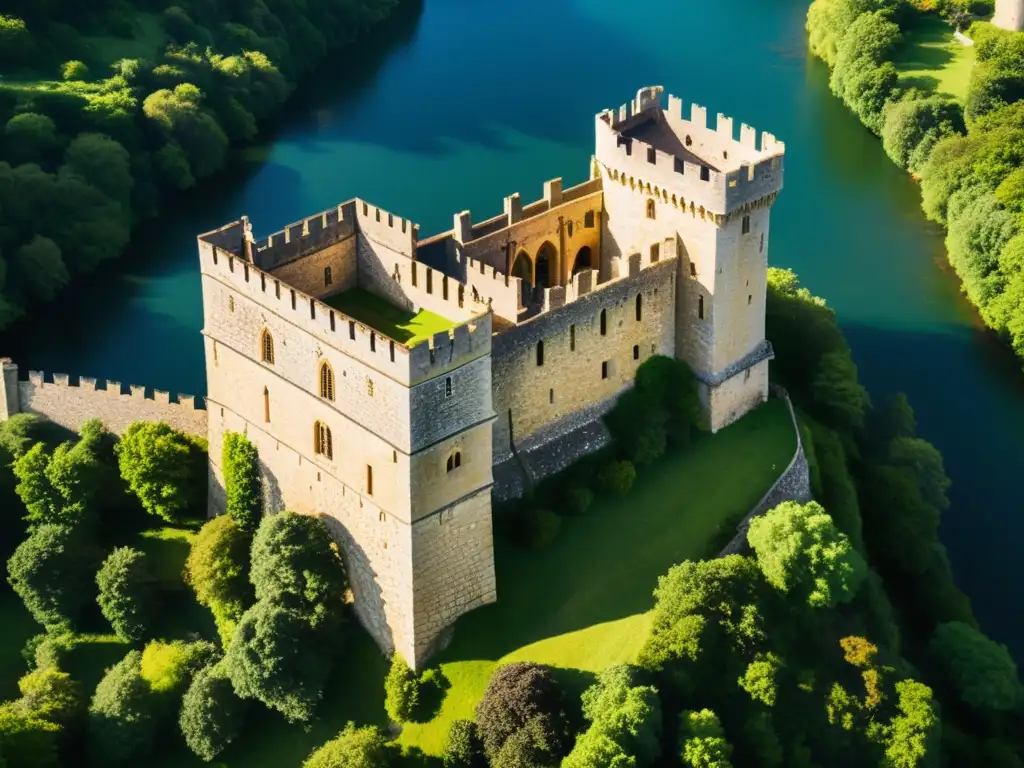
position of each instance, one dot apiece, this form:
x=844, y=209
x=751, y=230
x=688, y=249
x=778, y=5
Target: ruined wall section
x=453, y=559
x=71, y=405
x=573, y=377
x=376, y=544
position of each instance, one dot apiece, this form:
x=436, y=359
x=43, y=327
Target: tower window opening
x=394, y=457
x=655, y=253
x=369, y=480
x=705, y=173
x=689, y=141
x=414, y=274
x=652, y=155
x=639, y=307
x=604, y=322
x=373, y=341
x=588, y=219
x=352, y=329
x=454, y=461
x=551, y=396
x=760, y=248
x=540, y=353
x=746, y=225
x=266, y=405
x=369, y=386
x=231, y=303
x=327, y=276
x=312, y=309
x=293, y=299
x=750, y=298
x=392, y=347
x=568, y=228
x=263, y=282
x=746, y=375
x=650, y=209
x=277, y=289
x=267, y=347
x=700, y=307
x=572, y=338
x=448, y=387
x=604, y=370
x=636, y=351
x=323, y=445
x=331, y=315
x=693, y=269
x=326, y=381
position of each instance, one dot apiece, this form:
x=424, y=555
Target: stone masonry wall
x=307, y=273
x=794, y=484
x=453, y=560
x=570, y=379
x=70, y=406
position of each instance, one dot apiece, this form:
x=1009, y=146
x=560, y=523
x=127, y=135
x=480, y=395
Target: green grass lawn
x=404, y=327
x=930, y=59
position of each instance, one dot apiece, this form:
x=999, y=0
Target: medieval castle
x=531, y=323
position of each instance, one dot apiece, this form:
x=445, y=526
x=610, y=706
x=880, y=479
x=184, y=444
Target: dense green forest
x=107, y=107
x=968, y=156
x=836, y=638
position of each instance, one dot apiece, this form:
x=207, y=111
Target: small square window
x=652, y=155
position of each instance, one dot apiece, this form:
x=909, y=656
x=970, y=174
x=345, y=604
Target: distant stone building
x=536, y=319
x=1009, y=15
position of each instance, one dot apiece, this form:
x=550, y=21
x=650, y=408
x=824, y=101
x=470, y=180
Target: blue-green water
x=465, y=102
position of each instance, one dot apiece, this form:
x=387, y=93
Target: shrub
x=52, y=695
x=516, y=695
x=16, y=42
x=578, y=499
x=30, y=138
x=463, y=748
x=364, y=747
x=168, y=667
x=123, y=714
x=26, y=740
x=50, y=571
x=242, y=484
x=538, y=528
x=401, y=691
x=211, y=714
x=163, y=467
x=296, y=563
x=52, y=648
x=217, y=569
x=703, y=740
x=126, y=595
x=617, y=478
x=277, y=658
x=74, y=70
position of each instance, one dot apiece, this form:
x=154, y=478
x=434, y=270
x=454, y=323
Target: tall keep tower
x=1009, y=15
x=666, y=177
x=390, y=442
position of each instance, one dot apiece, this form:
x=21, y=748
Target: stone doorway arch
x=583, y=260
x=522, y=267
x=545, y=265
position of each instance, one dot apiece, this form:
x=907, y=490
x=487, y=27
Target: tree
x=15, y=42
x=275, y=657
x=912, y=739
x=760, y=678
x=801, y=552
x=517, y=694
x=42, y=264
x=27, y=740
x=168, y=667
x=51, y=694
x=244, y=489
x=180, y=115
x=364, y=747
x=127, y=593
x=217, y=569
x=74, y=70
x=828, y=22
x=160, y=465
x=30, y=138
x=463, y=748
x=295, y=562
x=703, y=740
x=913, y=127
x=981, y=670
x=42, y=502
x=401, y=691
x=123, y=714
x=50, y=572
x=103, y=163
x=211, y=714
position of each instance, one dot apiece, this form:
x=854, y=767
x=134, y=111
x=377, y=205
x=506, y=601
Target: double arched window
x=454, y=461
x=326, y=381
x=266, y=347
x=323, y=444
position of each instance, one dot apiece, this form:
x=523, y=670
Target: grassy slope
x=930, y=59
x=395, y=323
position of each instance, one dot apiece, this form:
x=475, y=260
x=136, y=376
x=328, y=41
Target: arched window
x=639, y=307
x=540, y=353
x=650, y=209
x=327, y=276
x=326, y=381
x=323, y=445
x=604, y=322
x=454, y=461
x=267, y=347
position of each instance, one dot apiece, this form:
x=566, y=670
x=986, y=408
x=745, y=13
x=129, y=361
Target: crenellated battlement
x=113, y=388
x=489, y=285
x=687, y=157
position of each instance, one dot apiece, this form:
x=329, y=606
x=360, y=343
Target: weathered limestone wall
x=377, y=545
x=738, y=395
x=794, y=484
x=307, y=274
x=70, y=405
x=453, y=562
x=1009, y=15
x=570, y=379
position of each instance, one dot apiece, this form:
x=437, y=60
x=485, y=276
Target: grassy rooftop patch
x=932, y=60
x=401, y=325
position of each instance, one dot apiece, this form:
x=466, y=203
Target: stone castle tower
x=711, y=197
x=1009, y=15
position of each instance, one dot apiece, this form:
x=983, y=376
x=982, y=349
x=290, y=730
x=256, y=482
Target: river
x=462, y=102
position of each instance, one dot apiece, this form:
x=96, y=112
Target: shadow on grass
x=926, y=83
